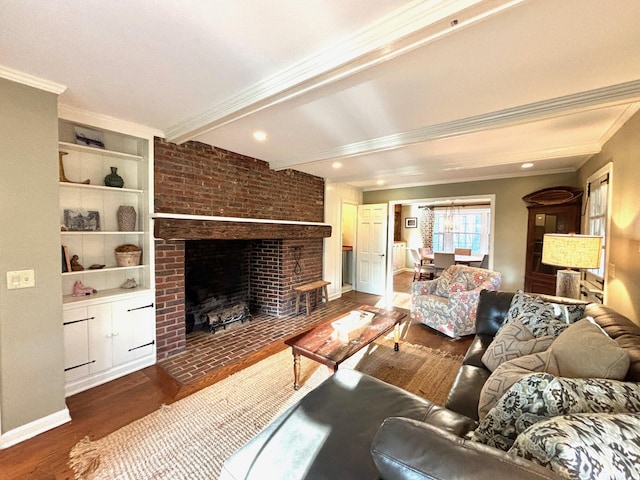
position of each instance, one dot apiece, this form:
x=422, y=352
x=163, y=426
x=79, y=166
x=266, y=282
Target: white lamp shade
x=572, y=251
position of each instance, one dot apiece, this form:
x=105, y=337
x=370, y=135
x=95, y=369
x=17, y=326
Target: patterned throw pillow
x=540, y=317
x=539, y=396
x=525, y=306
x=594, y=446
x=507, y=374
x=512, y=341
x=572, y=354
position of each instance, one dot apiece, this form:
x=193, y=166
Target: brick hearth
x=209, y=357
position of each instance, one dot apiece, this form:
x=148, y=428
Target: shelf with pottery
x=108, y=303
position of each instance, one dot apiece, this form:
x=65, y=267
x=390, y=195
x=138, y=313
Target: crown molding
x=545, y=109
x=487, y=178
x=629, y=112
x=99, y=120
x=31, y=80
x=401, y=31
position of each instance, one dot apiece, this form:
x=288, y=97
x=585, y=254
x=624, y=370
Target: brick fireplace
x=205, y=194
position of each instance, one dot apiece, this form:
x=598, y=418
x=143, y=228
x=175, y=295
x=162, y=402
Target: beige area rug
x=190, y=439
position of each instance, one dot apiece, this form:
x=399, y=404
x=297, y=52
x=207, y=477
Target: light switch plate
x=21, y=279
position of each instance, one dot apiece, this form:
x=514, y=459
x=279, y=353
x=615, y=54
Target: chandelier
x=449, y=213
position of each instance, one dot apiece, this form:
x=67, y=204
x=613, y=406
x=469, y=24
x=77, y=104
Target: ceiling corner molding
x=401, y=31
x=629, y=112
x=31, y=80
x=74, y=114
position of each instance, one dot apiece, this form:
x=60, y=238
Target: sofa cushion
x=405, y=449
x=492, y=310
x=539, y=396
x=464, y=395
x=512, y=341
x=584, y=445
x=623, y=331
x=328, y=433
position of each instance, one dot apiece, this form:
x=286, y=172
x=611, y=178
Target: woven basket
x=128, y=259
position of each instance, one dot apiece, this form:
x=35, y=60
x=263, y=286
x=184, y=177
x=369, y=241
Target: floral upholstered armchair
x=449, y=303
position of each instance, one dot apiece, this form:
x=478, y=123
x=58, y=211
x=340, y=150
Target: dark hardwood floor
x=101, y=410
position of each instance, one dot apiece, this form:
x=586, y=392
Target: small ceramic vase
x=126, y=218
x=113, y=179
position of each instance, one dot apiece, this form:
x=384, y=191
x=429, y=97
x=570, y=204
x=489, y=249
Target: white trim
x=403, y=30
x=31, y=80
x=25, y=432
x=208, y=218
x=99, y=120
x=545, y=109
x=629, y=112
x=482, y=178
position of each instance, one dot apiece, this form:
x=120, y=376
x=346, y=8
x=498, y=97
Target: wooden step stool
x=307, y=288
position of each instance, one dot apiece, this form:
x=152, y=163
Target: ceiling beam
x=398, y=33
x=624, y=93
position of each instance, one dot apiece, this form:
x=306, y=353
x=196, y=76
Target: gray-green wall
x=510, y=241
x=31, y=343
x=623, y=150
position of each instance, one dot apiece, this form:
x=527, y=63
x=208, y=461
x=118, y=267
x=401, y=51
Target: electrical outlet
x=611, y=270
x=21, y=279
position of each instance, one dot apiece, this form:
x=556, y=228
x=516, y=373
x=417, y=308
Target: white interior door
x=371, y=248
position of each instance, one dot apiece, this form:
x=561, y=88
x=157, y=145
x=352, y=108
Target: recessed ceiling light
x=259, y=135
x=526, y=165
x=380, y=182
x=336, y=165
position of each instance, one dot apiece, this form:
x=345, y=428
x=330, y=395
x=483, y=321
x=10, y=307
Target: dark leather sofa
x=354, y=426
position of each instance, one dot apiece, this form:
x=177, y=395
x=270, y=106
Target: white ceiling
x=408, y=93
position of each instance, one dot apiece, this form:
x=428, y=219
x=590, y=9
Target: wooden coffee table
x=322, y=345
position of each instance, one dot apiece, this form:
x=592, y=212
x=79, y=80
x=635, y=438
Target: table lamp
x=571, y=251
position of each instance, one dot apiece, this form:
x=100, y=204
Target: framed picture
x=81, y=220
x=411, y=222
x=88, y=137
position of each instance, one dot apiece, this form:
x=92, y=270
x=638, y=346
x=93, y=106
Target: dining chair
x=482, y=264
x=462, y=251
x=420, y=271
x=441, y=261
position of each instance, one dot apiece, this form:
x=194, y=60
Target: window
x=462, y=228
x=596, y=218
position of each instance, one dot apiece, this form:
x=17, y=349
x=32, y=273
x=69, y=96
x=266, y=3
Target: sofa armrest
x=410, y=450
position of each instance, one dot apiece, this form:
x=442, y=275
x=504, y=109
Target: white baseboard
x=24, y=432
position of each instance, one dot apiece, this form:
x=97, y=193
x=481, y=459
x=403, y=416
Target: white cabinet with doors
x=106, y=340
x=399, y=253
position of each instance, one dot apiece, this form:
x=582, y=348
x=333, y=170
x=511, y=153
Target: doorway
x=413, y=233
x=349, y=224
